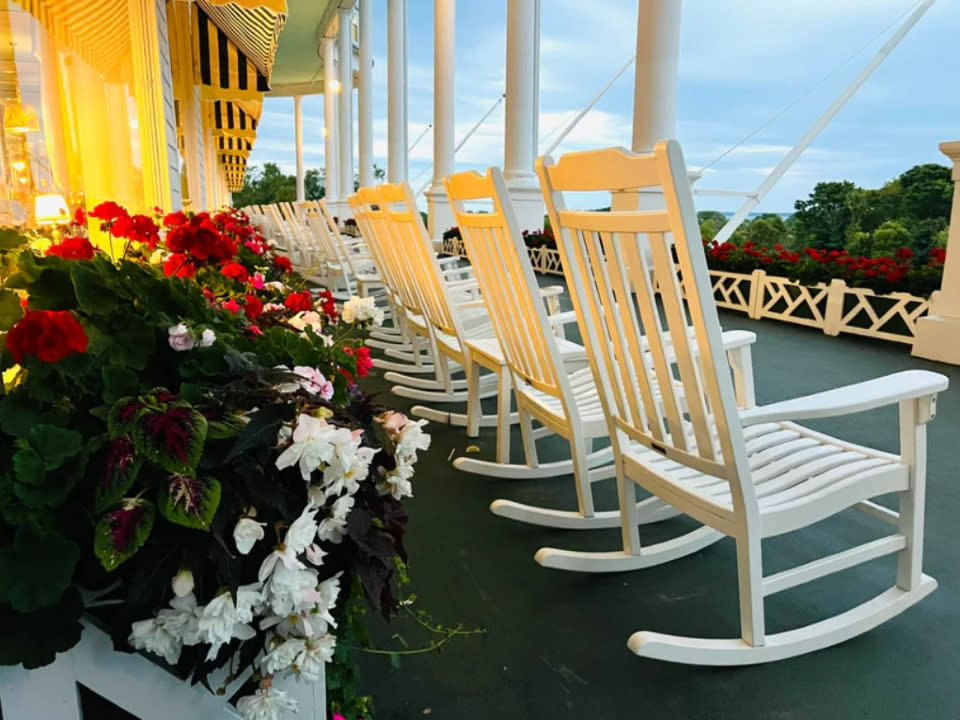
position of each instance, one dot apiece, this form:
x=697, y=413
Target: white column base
x=439, y=214
x=938, y=338
x=527, y=203
x=339, y=209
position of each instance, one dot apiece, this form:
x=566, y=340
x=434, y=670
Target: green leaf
x=118, y=382
x=36, y=569
x=10, y=309
x=52, y=290
x=120, y=533
x=120, y=469
x=164, y=429
x=224, y=428
x=262, y=429
x=33, y=639
x=93, y=294
x=53, y=445
x=11, y=239
x=191, y=502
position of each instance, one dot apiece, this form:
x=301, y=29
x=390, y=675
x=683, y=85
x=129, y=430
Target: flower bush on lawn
x=181, y=432
x=882, y=275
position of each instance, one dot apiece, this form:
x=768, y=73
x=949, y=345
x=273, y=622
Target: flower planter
x=131, y=682
x=834, y=308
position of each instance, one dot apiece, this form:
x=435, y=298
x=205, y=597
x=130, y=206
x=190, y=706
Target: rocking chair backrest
x=659, y=388
x=360, y=212
x=317, y=248
x=410, y=238
x=400, y=273
x=503, y=270
x=336, y=240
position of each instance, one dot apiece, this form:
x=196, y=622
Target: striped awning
x=234, y=162
x=226, y=72
x=235, y=119
x=253, y=30
x=79, y=25
x=234, y=145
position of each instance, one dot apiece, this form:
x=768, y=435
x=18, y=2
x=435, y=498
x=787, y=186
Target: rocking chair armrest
x=851, y=399
x=449, y=260
x=562, y=318
x=551, y=291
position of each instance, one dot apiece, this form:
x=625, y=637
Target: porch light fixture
x=50, y=209
x=334, y=86
x=20, y=117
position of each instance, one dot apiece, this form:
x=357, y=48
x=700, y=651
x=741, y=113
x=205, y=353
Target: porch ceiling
x=298, y=68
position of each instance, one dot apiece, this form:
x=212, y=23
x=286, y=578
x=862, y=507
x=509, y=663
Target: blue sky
x=742, y=61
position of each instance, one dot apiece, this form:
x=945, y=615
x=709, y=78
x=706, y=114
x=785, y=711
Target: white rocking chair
x=748, y=474
x=551, y=381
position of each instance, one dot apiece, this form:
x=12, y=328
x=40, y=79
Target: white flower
x=396, y=484
x=306, y=318
x=302, y=531
x=275, y=285
x=332, y=530
x=314, y=381
x=181, y=338
x=341, y=507
x=219, y=623
x=266, y=704
x=282, y=656
x=317, y=652
x=326, y=598
x=312, y=446
x=358, y=309
x=182, y=583
x=411, y=439
x=180, y=619
x=315, y=554
x=285, y=590
x=208, y=338
x=246, y=533
x=152, y=636
x=350, y=464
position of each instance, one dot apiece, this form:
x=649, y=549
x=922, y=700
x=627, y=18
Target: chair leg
x=581, y=475
x=529, y=439
x=913, y=453
x=627, y=498
x=505, y=391
x=750, y=581
x=473, y=398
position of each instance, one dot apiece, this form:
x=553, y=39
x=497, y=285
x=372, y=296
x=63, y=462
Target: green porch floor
x=555, y=644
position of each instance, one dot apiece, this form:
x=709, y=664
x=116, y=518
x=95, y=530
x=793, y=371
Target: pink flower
x=231, y=305
x=314, y=381
x=257, y=281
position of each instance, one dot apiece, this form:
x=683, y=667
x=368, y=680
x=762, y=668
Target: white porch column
x=439, y=214
x=396, y=90
x=365, y=96
x=330, y=125
x=522, y=108
x=298, y=142
x=938, y=334
x=345, y=126
x=655, y=87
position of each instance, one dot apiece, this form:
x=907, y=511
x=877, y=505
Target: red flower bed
x=811, y=266
x=48, y=335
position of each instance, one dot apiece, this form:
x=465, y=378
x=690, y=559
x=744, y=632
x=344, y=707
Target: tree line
x=911, y=211
x=268, y=184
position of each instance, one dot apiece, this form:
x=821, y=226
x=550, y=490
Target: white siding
x=169, y=110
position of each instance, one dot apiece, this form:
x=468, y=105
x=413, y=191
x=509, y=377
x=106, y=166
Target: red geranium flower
x=175, y=219
x=180, y=265
x=329, y=305
x=108, y=211
x=79, y=216
x=253, y=307
x=362, y=356
x=904, y=254
x=48, y=335
x=938, y=255
x=137, y=228
x=72, y=248
x=283, y=262
x=299, y=302
x=235, y=271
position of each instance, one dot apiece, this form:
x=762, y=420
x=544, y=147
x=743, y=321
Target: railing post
x=938, y=334
x=833, y=318
x=757, y=281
